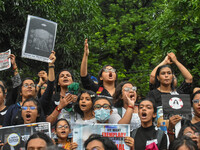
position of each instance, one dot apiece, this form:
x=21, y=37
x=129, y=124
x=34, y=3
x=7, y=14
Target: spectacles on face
x=189, y=134
x=127, y=89
x=105, y=106
x=195, y=101
x=43, y=87
x=30, y=107
x=27, y=85
x=65, y=126
x=110, y=69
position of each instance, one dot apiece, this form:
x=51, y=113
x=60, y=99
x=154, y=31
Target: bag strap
x=119, y=109
x=99, y=90
x=133, y=133
x=159, y=136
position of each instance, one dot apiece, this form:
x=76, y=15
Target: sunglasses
x=105, y=106
x=127, y=89
x=110, y=70
x=65, y=126
x=30, y=107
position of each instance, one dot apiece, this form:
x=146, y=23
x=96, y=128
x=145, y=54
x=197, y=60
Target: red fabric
x=152, y=146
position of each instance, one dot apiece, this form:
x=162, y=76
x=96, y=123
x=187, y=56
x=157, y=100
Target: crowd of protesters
x=60, y=101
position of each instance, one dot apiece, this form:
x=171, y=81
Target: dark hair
x=19, y=97
x=117, y=97
x=62, y=119
x=103, y=97
x=152, y=101
x=3, y=89
x=107, y=143
x=40, y=135
x=157, y=83
x=57, y=89
x=93, y=96
x=40, y=117
x=190, y=125
x=183, y=140
x=100, y=82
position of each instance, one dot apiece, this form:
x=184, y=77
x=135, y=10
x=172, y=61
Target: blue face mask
x=102, y=115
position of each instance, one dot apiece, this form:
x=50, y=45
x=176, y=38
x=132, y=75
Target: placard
x=176, y=105
x=39, y=39
x=5, y=63
x=115, y=132
x=15, y=137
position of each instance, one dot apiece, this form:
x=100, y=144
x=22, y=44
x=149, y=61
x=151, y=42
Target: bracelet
x=14, y=68
x=170, y=132
x=131, y=107
x=38, y=86
x=53, y=66
x=58, y=109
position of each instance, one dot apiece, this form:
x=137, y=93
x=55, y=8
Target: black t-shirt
x=147, y=134
x=89, y=84
x=2, y=115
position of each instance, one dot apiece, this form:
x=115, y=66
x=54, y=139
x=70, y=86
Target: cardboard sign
x=5, y=63
x=115, y=132
x=15, y=137
x=39, y=38
x=176, y=105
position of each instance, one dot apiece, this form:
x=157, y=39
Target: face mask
x=102, y=115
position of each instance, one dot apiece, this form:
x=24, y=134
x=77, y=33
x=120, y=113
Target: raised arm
x=126, y=119
x=83, y=71
x=186, y=74
x=42, y=79
x=153, y=73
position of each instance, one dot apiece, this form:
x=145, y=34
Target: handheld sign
x=115, y=132
x=5, y=63
x=39, y=38
x=176, y=105
x=15, y=137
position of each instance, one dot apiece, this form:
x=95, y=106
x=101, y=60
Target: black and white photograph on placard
x=39, y=39
x=176, y=105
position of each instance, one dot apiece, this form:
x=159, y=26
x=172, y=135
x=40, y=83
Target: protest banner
x=176, y=105
x=15, y=137
x=5, y=63
x=39, y=39
x=115, y=132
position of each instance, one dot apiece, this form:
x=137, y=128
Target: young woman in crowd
x=147, y=136
x=185, y=87
x=28, y=90
x=32, y=111
x=96, y=141
x=183, y=143
x=124, y=91
x=61, y=105
x=62, y=130
x=3, y=108
x=84, y=107
x=104, y=114
x=107, y=77
x=38, y=141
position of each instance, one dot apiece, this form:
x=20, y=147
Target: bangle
x=58, y=109
x=131, y=107
x=14, y=68
x=38, y=86
x=170, y=132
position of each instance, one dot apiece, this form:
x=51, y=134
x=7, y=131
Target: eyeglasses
x=189, y=134
x=195, y=101
x=65, y=126
x=127, y=89
x=105, y=106
x=43, y=87
x=30, y=107
x=110, y=69
x=27, y=85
